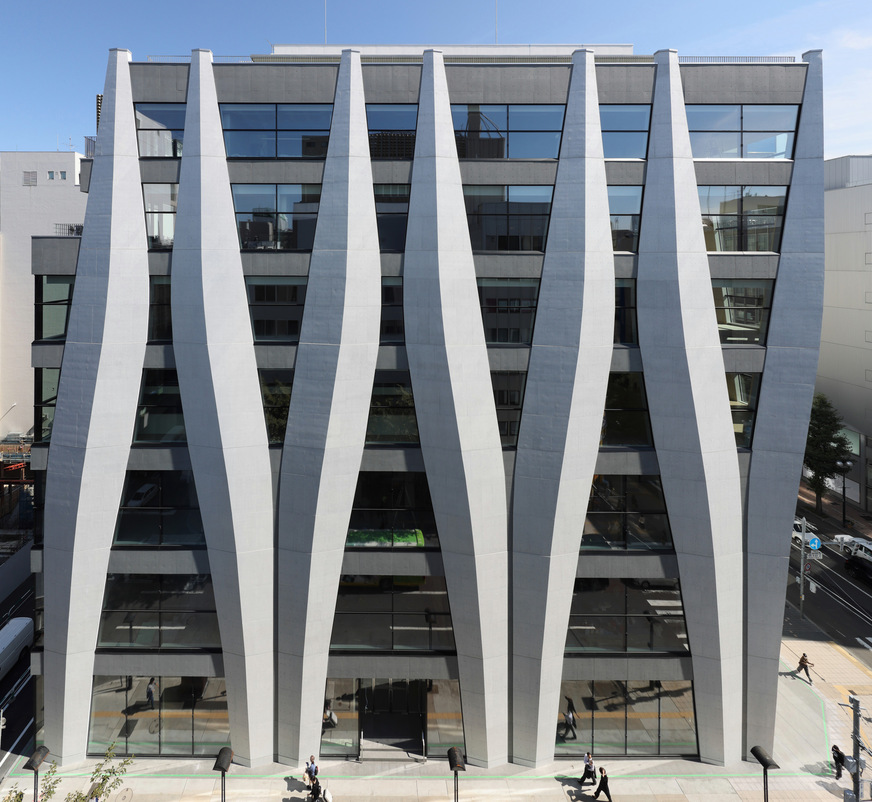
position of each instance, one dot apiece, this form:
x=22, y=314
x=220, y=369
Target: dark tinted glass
x=625, y=144
x=536, y=118
x=248, y=115
x=615, y=117
x=473, y=118
x=254, y=197
x=250, y=144
x=392, y=117
x=304, y=116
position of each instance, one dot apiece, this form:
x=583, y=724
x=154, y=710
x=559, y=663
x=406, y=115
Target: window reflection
x=160, y=129
x=508, y=218
x=508, y=309
x=737, y=218
x=160, y=318
x=508, y=389
x=160, y=201
x=625, y=130
x=159, y=416
x=45, y=401
x=625, y=311
x=742, y=309
x=732, y=131
x=276, y=306
x=626, y=421
x=269, y=131
x=743, y=390
x=508, y=131
x=53, y=298
x=625, y=209
x=276, y=216
x=392, y=130
x=392, y=212
x=392, y=328
x=275, y=388
x=626, y=512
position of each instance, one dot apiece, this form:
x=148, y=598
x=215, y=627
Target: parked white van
x=16, y=638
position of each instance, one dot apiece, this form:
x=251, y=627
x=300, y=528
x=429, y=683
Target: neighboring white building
x=410, y=398
x=40, y=196
x=845, y=367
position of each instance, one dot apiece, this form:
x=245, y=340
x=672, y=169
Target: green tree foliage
x=825, y=446
x=106, y=778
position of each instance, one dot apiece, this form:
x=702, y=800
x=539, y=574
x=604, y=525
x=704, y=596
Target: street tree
x=825, y=446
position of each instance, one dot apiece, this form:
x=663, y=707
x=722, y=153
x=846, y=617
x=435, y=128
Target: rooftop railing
x=68, y=229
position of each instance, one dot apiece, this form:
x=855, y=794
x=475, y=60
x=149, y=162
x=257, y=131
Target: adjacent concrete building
x=416, y=397
x=845, y=368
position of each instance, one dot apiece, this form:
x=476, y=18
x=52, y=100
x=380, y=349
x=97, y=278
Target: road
x=840, y=606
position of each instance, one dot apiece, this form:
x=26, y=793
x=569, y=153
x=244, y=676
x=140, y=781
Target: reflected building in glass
x=402, y=400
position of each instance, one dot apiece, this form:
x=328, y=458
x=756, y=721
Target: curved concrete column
x=95, y=415
x=224, y=417
x=786, y=392
x=690, y=417
x=457, y=421
x=333, y=379
x=564, y=398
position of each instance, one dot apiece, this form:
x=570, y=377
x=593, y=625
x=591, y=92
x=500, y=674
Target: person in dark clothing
x=839, y=760
x=804, y=666
x=603, y=787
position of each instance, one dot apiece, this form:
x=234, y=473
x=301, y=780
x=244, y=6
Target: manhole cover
x=126, y=795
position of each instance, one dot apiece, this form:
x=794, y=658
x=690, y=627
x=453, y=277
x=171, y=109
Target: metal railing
x=68, y=229
x=90, y=146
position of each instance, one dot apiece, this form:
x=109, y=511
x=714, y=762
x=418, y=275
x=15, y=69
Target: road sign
x=814, y=543
x=808, y=568
x=814, y=555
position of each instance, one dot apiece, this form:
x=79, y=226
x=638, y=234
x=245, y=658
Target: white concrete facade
x=28, y=210
x=509, y=516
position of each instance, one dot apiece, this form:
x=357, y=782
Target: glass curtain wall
x=160, y=129
x=625, y=210
x=508, y=218
x=508, y=309
x=275, y=388
x=53, y=297
x=508, y=131
x=733, y=131
x=45, y=398
x=509, y=399
x=626, y=512
x=625, y=130
x=743, y=390
x=627, y=718
x=160, y=316
x=392, y=418
x=392, y=130
x=182, y=716
x=742, y=309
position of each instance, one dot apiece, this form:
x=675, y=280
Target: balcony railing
x=68, y=229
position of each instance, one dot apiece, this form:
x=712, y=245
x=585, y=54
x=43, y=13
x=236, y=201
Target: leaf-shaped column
x=786, y=393
x=564, y=398
x=690, y=417
x=457, y=421
x=224, y=419
x=95, y=415
x=324, y=441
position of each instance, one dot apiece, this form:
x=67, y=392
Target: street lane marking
x=863, y=643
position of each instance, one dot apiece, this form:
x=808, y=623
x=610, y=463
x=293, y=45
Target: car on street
x=810, y=531
x=859, y=568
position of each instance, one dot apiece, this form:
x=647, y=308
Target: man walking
x=839, y=760
x=603, y=787
x=804, y=666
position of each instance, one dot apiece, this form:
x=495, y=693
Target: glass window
x=53, y=297
x=508, y=309
x=160, y=129
x=515, y=131
x=159, y=416
x=392, y=212
x=159, y=508
x=392, y=130
x=626, y=512
x=304, y=116
x=738, y=218
x=625, y=209
x=161, y=201
x=625, y=130
x=626, y=421
x=392, y=613
x=392, y=410
x=158, y=715
x=276, y=216
x=392, y=329
x=625, y=311
x=392, y=510
x=160, y=318
x=340, y=733
x=275, y=388
x=508, y=218
x=286, y=130
x=45, y=400
x=276, y=306
x=742, y=309
x=743, y=390
x=509, y=399
x=251, y=116
x=747, y=131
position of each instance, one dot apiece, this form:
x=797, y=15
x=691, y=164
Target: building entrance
x=393, y=718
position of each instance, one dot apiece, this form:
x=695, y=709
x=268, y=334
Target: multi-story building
x=411, y=398
x=845, y=368
x=40, y=196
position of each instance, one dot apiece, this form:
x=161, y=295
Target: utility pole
x=802, y=570
x=855, y=737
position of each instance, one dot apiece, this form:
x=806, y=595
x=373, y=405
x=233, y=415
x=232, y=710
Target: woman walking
x=603, y=787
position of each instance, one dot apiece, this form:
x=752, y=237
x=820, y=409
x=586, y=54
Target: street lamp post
x=455, y=763
x=844, y=467
x=766, y=761
x=222, y=763
x=33, y=764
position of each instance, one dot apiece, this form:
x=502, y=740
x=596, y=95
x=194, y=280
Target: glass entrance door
x=392, y=718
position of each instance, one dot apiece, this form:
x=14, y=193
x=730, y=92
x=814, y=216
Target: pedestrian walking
x=150, y=691
x=589, y=770
x=839, y=760
x=804, y=666
x=569, y=721
x=603, y=787
x=311, y=771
